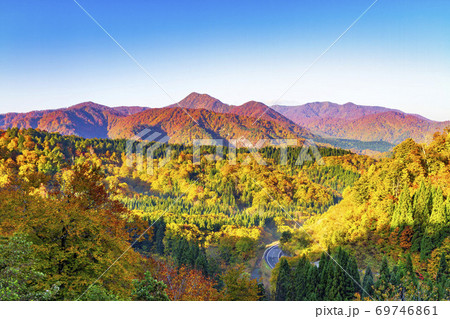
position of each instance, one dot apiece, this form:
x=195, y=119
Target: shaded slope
x=180, y=127
x=364, y=123
x=86, y=119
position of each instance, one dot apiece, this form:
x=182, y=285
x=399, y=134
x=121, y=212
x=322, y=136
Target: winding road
x=272, y=255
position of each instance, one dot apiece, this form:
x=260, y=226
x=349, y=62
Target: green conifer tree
x=159, y=237
x=300, y=278
x=355, y=279
x=368, y=283
x=312, y=284
x=426, y=246
x=403, y=213
x=323, y=274
x=442, y=273
x=438, y=213
x=149, y=289
x=283, y=287
x=385, y=274
x=409, y=265
x=422, y=206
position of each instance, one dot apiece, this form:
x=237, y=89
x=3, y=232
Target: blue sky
x=398, y=54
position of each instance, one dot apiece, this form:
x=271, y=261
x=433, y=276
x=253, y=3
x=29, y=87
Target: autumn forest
x=79, y=222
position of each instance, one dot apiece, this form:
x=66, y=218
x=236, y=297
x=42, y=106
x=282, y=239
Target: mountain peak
x=203, y=101
x=196, y=95
x=89, y=104
x=255, y=104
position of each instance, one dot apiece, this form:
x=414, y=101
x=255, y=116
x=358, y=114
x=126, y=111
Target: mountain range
x=364, y=123
x=87, y=119
x=349, y=125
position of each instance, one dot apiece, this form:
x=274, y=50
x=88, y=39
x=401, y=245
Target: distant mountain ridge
x=320, y=110
x=92, y=120
x=250, y=109
x=215, y=120
x=350, y=126
x=364, y=123
x=86, y=119
x=180, y=126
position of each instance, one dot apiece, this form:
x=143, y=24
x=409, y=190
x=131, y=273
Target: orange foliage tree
x=77, y=231
x=185, y=284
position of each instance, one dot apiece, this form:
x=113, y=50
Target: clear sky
x=398, y=54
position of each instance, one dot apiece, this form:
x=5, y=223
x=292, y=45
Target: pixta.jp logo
x=141, y=148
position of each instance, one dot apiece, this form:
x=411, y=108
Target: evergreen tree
x=312, y=281
x=283, y=287
x=149, y=289
x=98, y=293
x=423, y=203
x=201, y=263
x=403, y=213
x=438, y=213
x=323, y=274
x=20, y=141
x=262, y=292
x=193, y=253
x=300, y=278
x=390, y=282
x=368, y=283
x=426, y=246
x=182, y=252
x=345, y=277
x=385, y=274
x=396, y=275
x=409, y=265
x=442, y=280
x=442, y=273
x=338, y=287
x=422, y=206
x=354, y=273
x=332, y=286
x=342, y=283
x=159, y=237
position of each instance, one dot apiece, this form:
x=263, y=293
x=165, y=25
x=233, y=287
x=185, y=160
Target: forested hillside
x=363, y=123
x=365, y=129
x=395, y=221
x=71, y=206
x=86, y=119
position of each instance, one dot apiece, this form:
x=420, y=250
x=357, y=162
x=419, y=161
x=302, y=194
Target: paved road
x=272, y=255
